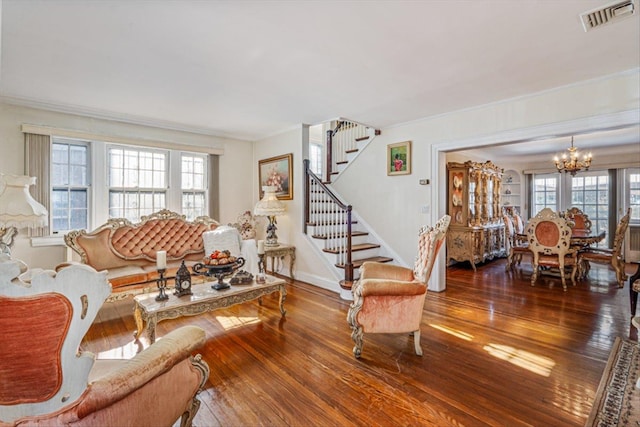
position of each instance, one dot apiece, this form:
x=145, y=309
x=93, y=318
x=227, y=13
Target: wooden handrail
x=341, y=210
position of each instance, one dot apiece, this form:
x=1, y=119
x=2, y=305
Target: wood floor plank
x=497, y=352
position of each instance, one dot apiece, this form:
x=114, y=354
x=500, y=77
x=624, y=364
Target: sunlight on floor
x=127, y=351
x=537, y=364
x=231, y=322
x=454, y=332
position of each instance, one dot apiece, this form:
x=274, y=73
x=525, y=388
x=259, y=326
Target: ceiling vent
x=607, y=14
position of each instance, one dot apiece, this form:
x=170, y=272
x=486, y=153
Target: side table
x=279, y=252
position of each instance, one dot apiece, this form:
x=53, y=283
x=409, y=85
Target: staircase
x=335, y=230
x=344, y=143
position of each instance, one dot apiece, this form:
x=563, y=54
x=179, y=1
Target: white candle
x=260, y=247
x=161, y=260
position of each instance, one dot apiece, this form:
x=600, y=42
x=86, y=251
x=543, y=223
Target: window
x=545, y=192
x=137, y=182
x=315, y=158
x=634, y=194
x=70, y=180
x=591, y=195
x=193, y=185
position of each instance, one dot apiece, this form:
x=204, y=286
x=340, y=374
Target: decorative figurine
x=162, y=286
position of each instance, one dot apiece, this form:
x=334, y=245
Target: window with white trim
x=193, y=184
x=315, y=158
x=70, y=185
x=545, y=192
x=137, y=181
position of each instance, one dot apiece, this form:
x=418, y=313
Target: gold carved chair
x=580, y=220
x=612, y=257
x=549, y=237
x=46, y=380
x=390, y=298
x=516, y=245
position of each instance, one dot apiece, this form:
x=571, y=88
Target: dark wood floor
x=496, y=352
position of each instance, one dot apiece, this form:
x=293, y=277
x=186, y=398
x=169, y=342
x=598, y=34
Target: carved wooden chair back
x=549, y=237
x=581, y=221
x=430, y=240
x=621, y=231
x=57, y=316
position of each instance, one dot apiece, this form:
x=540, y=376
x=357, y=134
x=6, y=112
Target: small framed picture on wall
x=399, y=158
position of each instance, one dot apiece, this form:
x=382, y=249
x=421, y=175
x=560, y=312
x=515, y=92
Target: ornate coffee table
x=203, y=299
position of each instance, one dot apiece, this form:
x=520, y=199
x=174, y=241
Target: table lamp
x=270, y=206
x=18, y=209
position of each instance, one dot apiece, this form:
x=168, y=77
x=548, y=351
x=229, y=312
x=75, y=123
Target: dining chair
x=549, y=237
x=580, y=220
x=516, y=246
x=390, y=298
x=612, y=257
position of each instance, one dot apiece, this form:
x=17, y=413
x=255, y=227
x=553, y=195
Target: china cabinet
x=511, y=192
x=476, y=233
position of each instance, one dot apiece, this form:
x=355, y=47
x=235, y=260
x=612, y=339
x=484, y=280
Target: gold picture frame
x=277, y=171
x=399, y=158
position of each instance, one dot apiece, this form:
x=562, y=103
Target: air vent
x=607, y=14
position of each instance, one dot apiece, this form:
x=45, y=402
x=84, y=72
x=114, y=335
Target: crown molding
x=113, y=116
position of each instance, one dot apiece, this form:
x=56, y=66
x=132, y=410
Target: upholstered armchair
x=46, y=380
x=611, y=257
x=549, y=237
x=390, y=298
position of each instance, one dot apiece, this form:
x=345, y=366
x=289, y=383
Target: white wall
x=393, y=204
x=236, y=179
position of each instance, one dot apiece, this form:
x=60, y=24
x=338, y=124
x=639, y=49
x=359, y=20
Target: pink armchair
x=46, y=380
x=390, y=298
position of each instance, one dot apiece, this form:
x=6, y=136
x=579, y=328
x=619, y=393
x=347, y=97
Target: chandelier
x=571, y=163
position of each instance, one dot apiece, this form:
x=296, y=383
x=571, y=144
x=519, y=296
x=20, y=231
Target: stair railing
x=330, y=217
x=342, y=140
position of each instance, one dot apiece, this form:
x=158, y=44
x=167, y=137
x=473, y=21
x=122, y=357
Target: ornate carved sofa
x=128, y=251
x=46, y=380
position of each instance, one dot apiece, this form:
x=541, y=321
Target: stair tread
x=353, y=234
x=359, y=262
x=313, y=224
x=354, y=248
x=353, y=150
x=362, y=138
x=343, y=162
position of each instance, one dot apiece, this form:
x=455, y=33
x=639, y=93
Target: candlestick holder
x=162, y=285
x=261, y=277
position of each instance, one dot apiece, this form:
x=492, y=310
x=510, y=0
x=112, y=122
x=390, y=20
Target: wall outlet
x=424, y=182
x=425, y=209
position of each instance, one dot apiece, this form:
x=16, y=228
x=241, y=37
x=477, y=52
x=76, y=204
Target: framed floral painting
x=278, y=172
x=399, y=158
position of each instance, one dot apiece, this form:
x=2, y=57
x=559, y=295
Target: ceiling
x=250, y=69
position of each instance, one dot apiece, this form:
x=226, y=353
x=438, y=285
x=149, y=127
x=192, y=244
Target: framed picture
x=399, y=158
x=277, y=171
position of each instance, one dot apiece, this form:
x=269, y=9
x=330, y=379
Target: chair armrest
x=384, y=287
x=66, y=264
x=157, y=359
x=380, y=270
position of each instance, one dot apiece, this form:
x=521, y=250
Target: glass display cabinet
x=476, y=233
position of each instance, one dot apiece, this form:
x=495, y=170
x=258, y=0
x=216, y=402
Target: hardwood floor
x=496, y=352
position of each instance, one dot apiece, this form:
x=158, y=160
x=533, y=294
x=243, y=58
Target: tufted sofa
x=128, y=251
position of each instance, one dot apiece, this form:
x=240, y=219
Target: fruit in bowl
x=219, y=258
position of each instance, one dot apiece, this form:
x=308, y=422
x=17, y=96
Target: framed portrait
x=278, y=172
x=399, y=158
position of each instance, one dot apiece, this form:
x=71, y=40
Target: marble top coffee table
x=203, y=299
